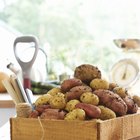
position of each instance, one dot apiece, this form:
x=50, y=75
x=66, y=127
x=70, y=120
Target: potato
x=121, y=91
x=99, y=84
x=54, y=91
x=90, y=98
x=76, y=92
x=76, y=114
x=112, y=86
x=41, y=108
x=70, y=83
x=58, y=101
x=106, y=113
x=136, y=99
x=131, y=105
x=112, y=101
x=53, y=114
x=91, y=111
x=71, y=105
x=34, y=114
x=43, y=99
x=86, y=73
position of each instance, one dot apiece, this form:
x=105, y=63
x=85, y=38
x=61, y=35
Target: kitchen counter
x=5, y=129
x=7, y=102
x=7, y=106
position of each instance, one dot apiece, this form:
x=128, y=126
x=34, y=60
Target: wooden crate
x=121, y=128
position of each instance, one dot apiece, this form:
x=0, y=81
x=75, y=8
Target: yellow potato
x=58, y=101
x=112, y=86
x=89, y=98
x=76, y=114
x=121, y=91
x=106, y=113
x=43, y=99
x=71, y=105
x=136, y=99
x=99, y=84
x=54, y=91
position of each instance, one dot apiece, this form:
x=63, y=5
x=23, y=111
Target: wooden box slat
x=27, y=129
x=121, y=128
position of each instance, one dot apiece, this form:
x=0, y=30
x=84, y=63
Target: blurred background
x=70, y=32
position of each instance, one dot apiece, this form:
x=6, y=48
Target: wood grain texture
x=27, y=129
x=121, y=128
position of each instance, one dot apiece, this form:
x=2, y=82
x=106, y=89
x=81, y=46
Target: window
x=75, y=32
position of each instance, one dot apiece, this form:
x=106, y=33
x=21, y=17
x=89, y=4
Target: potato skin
x=112, y=86
x=87, y=72
x=136, y=100
x=43, y=99
x=76, y=114
x=76, y=92
x=53, y=114
x=131, y=105
x=121, y=91
x=34, y=114
x=67, y=84
x=89, y=98
x=92, y=111
x=99, y=84
x=71, y=105
x=106, y=113
x=41, y=108
x=58, y=101
x=112, y=101
x=54, y=91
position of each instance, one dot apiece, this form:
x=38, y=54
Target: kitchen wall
x=5, y=114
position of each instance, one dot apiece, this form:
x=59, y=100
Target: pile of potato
x=86, y=96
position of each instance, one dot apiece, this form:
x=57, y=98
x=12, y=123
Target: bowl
x=128, y=44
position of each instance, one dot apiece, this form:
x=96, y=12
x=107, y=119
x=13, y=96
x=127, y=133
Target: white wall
x=5, y=114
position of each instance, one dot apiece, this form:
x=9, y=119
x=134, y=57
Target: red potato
x=112, y=101
x=41, y=108
x=70, y=83
x=132, y=106
x=53, y=114
x=91, y=111
x=76, y=92
x=34, y=114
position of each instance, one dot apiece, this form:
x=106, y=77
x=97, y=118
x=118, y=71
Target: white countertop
x=7, y=102
x=5, y=131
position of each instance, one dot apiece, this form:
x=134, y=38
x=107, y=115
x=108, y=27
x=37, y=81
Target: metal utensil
x=20, y=45
x=30, y=97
